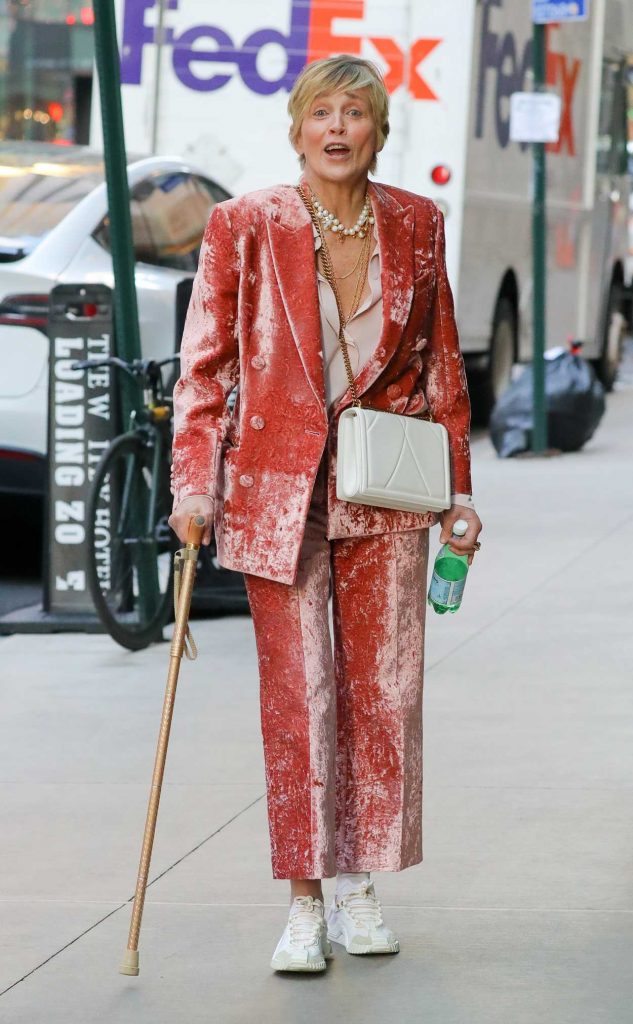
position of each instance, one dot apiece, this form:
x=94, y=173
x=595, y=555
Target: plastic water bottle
x=449, y=575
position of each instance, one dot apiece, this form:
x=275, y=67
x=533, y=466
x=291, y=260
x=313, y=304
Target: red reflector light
x=82, y=310
x=441, y=174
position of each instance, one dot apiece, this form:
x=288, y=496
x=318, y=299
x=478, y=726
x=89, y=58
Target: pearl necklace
x=334, y=224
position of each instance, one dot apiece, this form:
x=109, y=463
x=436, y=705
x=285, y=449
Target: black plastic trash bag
x=574, y=399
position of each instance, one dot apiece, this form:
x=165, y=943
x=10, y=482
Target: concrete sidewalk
x=522, y=910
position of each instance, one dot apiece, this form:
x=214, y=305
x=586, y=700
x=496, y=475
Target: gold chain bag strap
x=383, y=458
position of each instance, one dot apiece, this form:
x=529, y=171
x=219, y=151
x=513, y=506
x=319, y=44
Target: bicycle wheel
x=130, y=545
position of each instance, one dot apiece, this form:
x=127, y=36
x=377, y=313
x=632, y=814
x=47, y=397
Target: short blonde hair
x=344, y=73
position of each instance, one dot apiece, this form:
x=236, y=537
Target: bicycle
x=130, y=545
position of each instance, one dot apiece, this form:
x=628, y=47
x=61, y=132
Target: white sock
x=346, y=881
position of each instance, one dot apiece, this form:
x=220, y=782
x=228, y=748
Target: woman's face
x=338, y=136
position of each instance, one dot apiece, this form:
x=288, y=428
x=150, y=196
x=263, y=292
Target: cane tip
x=129, y=964
x=199, y=520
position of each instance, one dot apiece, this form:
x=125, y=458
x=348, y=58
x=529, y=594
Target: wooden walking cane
x=186, y=561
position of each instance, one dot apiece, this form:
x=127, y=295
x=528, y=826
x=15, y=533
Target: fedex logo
x=309, y=37
x=501, y=56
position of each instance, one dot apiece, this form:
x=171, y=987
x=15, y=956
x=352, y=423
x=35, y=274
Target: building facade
x=46, y=70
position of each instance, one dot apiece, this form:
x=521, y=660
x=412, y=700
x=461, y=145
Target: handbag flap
x=404, y=456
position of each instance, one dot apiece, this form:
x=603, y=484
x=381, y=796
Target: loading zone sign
x=546, y=11
x=82, y=422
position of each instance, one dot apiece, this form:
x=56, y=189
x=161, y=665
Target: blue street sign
x=544, y=11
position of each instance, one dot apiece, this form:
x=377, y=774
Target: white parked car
x=54, y=230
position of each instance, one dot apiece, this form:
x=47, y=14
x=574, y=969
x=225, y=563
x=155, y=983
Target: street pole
x=127, y=336
x=160, y=40
x=539, y=261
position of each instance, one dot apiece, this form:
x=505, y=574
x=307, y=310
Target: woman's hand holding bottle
x=465, y=545
x=458, y=537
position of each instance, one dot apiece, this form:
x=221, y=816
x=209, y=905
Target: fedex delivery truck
x=209, y=81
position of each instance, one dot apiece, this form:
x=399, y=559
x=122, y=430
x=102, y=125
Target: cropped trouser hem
x=376, y=864
x=342, y=725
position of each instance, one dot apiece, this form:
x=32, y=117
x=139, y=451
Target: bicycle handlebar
x=135, y=368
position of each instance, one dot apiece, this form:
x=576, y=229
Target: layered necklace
x=332, y=223
x=325, y=220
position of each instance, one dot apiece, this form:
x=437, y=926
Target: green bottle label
x=446, y=592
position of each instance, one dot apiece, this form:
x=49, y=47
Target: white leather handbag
x=384, y=459
x=392, y=461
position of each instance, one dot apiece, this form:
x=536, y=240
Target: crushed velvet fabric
x=254, y=319
x=342, y=731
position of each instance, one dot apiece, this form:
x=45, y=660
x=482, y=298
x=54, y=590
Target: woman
x=341, y=730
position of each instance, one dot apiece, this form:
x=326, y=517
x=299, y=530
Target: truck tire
x=487, y=386
x=613, y=334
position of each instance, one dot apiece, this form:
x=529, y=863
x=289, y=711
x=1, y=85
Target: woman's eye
x=317, y=113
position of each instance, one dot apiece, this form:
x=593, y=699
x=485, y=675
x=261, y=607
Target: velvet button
x=381, y=351
x=394, y=391
x=258, y=422
x=258, y=362
x=246, y=480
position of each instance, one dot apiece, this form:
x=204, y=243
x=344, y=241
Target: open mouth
x=337, y=149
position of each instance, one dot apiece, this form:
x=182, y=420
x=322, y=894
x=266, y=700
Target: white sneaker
x=355, y=920
x=304, y=944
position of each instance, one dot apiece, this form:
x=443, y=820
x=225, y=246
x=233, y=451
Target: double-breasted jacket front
x=254, y=320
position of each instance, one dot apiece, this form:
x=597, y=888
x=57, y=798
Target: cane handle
x=195, y=531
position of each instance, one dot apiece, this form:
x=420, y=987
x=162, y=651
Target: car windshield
x=37, y=190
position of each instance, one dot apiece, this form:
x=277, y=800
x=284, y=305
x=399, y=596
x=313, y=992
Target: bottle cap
x=460, y=527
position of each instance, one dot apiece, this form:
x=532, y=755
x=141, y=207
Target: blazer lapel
x=292, y=249
x=395, y=225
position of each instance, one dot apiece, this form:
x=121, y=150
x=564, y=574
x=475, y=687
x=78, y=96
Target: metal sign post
x=543, y=12
x=125, y=306
x=120, y=223
x=539, y=260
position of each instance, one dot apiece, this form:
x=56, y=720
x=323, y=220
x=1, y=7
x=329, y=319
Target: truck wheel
x=613, y=333
x=486, y=388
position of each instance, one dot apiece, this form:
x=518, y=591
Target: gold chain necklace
x=360, y=281
x=343, y=321
x=354, y=268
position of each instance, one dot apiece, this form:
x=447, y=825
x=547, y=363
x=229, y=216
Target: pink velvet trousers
x=342, y=727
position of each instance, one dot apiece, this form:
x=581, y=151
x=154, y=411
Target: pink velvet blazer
x=254, y=320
